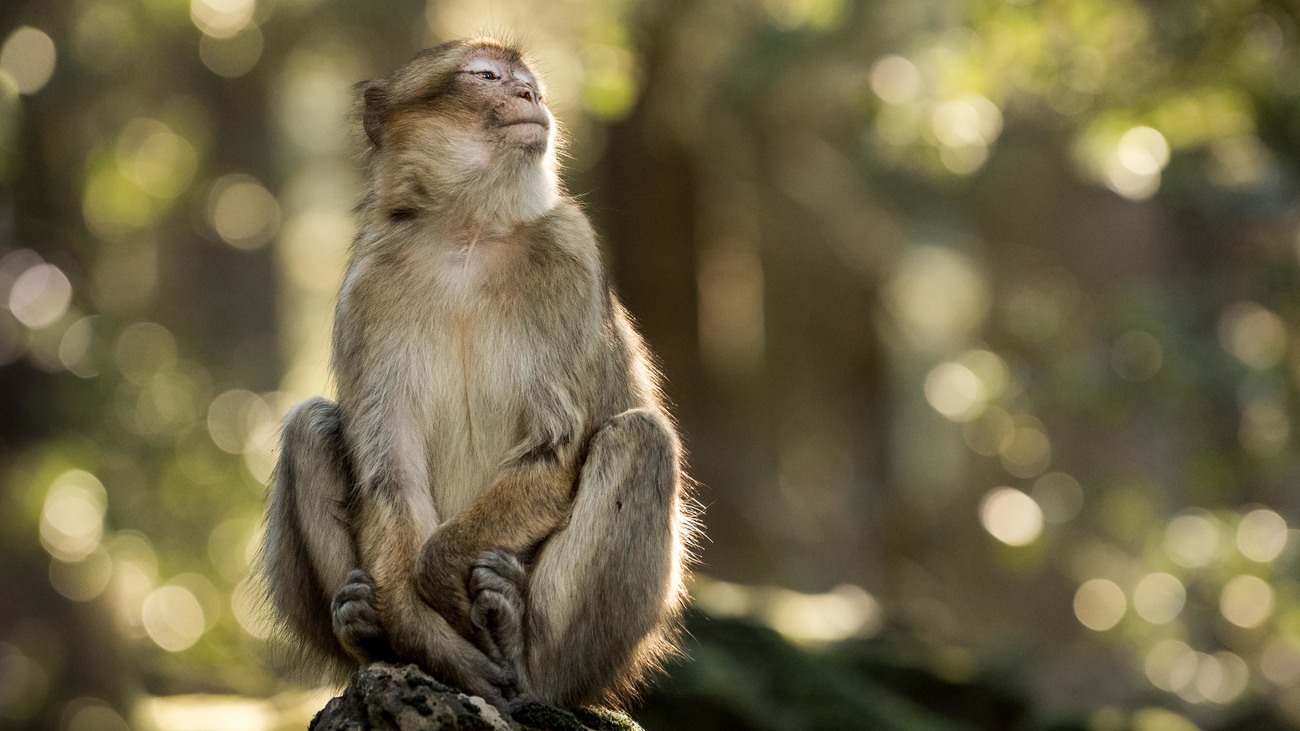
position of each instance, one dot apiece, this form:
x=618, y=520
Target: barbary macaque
x=497, y=493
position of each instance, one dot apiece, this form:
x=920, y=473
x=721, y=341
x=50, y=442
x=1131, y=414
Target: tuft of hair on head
x=499, y=37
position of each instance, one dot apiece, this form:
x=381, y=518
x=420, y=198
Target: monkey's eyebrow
x=479, y=65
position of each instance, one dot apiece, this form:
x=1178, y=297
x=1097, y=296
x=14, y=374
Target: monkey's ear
x=375, y=100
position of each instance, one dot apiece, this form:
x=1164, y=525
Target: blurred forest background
x=981, y=319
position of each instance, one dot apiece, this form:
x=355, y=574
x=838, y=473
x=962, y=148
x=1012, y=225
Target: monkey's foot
x=356, y=620
x=496, y=586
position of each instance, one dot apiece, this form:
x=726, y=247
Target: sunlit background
x=981, y=319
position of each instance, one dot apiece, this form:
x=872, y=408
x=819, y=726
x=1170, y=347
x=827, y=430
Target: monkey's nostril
x=527, y=94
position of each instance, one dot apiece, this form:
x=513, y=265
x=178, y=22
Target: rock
x=383, y=697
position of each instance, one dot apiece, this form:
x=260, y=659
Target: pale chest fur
x=471, y=368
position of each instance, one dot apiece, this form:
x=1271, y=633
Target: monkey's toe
x=359, y=576
x=517, y=703
x=357, y=624
x=354, y=593
x=492, y=681
x=355, y=613
x=506, y=681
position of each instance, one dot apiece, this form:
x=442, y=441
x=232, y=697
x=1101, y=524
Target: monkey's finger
x=483, y=613
x=503, y=563
x=485, y=581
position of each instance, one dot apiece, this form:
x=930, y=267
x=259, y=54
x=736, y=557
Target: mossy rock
x=383, y=697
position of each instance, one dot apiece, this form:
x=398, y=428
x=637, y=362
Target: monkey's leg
x=309, y=551
x=390, y=537
x=606, y=586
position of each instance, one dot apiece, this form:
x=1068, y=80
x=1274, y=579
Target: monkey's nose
x=526, y=93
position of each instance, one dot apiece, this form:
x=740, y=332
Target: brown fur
x=499, y=464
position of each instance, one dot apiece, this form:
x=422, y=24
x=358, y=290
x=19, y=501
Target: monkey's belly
x=473, y=416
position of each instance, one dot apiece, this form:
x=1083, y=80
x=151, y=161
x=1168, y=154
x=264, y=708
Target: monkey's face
x=507, y=98
x=481, y=94
x=465, y=123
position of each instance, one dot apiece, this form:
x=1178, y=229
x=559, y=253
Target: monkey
x=497, y=492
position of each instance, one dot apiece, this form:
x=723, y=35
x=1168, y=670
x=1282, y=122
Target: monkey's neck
x=491, y=198
x=469, y=248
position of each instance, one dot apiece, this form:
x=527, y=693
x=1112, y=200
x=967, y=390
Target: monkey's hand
x=496, y=587
x=356, y=620
x=442, y=572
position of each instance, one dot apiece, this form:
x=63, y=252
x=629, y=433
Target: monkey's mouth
x=527, y=129
x=527, y=122
x=538, y=119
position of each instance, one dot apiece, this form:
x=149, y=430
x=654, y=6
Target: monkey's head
x=462, y=127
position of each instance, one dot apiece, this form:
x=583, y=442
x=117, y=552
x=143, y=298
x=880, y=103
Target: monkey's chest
x=476, y=390
x=486, y=378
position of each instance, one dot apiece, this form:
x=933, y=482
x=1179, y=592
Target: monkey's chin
x=527, y=135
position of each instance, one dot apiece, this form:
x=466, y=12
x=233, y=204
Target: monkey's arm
x=528, y=503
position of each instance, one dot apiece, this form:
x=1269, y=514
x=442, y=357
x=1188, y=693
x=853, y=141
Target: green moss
x=546, y=718
x=604, y=719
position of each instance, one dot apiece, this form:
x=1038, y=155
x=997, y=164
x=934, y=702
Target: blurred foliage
x=981, y=319
x=746, y=677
